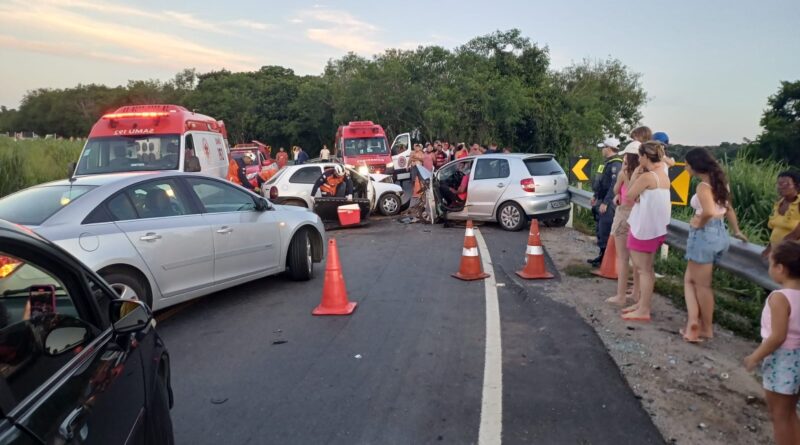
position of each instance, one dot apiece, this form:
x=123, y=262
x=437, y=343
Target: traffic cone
x=608, y=267
x=334, y=293
x=535, y=268
x=471, y=267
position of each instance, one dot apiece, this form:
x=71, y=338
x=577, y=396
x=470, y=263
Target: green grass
x=30, y=162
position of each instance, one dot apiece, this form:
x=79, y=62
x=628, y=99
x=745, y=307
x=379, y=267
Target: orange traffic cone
x=608, y=268
x=334, y=292
x=471, y=267
x=534, y=263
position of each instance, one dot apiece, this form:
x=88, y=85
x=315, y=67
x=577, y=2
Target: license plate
x=558, y=204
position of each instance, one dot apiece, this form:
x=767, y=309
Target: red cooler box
x=349, y=214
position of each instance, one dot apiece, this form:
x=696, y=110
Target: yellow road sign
x=580, y=168
x=679, y=180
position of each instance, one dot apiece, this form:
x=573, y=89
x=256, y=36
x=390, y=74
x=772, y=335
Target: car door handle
x=225, y=230
x=150, y=236
x=71, y=423
x=500, y=185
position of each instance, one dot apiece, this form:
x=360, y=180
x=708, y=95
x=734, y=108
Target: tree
x=781, y=121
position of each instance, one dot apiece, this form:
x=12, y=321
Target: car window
x=121, y=208
x=157, y=199
x=543, y=167
x=306, y=175
x=218, y=197
x=492, y=169
x=49, y=199
x=40, y=330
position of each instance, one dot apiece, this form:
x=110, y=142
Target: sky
x=708, y=66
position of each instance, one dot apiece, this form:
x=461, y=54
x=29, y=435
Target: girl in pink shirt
x=780, y=348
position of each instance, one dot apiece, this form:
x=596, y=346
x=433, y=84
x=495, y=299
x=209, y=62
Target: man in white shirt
x=325, y=154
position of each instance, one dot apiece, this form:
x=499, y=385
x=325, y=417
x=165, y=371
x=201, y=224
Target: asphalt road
x=251, y=365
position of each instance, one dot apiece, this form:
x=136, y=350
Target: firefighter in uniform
x=237, y=172
x=334, y=182
x=603, y=201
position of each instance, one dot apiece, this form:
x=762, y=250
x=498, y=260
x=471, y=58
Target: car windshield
x=49, y=199
x=129, y=153
x=365, y=146
x=543, y=167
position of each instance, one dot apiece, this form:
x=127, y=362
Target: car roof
x=106, y=178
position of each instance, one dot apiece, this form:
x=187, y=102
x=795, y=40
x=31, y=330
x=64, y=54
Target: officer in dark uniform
x=603, y=200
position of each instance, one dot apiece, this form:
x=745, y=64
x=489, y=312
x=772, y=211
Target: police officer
x=603, y=200
x=334, y=182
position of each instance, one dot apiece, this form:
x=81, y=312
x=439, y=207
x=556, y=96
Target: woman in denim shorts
x=708, y=240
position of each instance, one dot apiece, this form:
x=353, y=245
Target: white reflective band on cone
x=470, y=232
x=534, y=250
x=472, y=251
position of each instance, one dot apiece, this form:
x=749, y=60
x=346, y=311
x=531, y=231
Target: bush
x=34, y=161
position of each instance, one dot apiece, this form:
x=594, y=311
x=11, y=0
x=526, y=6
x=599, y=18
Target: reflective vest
x=331, y=184
x=233, y=172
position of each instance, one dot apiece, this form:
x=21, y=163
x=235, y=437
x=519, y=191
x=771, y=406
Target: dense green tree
x=781, y=121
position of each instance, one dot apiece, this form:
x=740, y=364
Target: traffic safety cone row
x=471, y=267
x=535, y=268
x=608, y=267
x=334, y=292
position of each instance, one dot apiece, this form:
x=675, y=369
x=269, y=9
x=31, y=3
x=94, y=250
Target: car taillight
x=528, y=185
x=273, y=192
x=8, y=265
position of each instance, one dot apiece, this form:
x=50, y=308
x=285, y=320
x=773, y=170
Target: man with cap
x=664, y=139
x=603, y=200
x=249, y=158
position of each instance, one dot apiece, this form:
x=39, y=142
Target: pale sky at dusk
x=708, y=66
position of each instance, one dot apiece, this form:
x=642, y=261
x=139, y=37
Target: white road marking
x=491, y=429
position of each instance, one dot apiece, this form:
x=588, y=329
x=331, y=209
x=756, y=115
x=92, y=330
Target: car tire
x=390, y=204
x=128, y=286
x=558, y=222
x=160, y=422
x=300, y=258
x=511, y=217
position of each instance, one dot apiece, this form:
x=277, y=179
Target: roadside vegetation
x=30, y=162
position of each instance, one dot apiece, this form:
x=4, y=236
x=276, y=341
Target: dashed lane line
x=491, y=428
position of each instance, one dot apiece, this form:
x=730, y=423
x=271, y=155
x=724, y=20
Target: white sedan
x=167, y=237
x=292, y=186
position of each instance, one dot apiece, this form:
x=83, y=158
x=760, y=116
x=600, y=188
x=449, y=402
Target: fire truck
x=362, y=145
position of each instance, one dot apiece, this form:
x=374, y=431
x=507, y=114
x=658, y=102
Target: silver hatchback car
x=507, y=188
x=167, y=237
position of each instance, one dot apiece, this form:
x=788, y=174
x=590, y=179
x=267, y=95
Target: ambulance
x=362, y=146
x=155, y=137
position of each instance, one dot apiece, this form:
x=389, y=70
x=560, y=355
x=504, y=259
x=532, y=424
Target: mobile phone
x=42, y=299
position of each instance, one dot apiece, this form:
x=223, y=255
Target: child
x=780, y=348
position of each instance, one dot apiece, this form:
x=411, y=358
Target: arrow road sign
x=679, y=180
x=580, y=168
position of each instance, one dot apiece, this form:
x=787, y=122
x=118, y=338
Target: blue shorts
x=781, y=371
x=706, y=245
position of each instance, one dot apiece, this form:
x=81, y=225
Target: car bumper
x=551, y=205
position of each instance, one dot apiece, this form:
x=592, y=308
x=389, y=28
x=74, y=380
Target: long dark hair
x=632, y=162
x=702, y=161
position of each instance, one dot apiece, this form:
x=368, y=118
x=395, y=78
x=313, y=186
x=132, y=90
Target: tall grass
x=30, y=162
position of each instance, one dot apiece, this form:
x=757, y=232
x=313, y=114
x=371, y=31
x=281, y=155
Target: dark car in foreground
x=77, y=363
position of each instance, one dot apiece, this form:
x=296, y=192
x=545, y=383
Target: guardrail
x=742, y=258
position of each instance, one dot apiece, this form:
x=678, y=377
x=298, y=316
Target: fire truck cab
x=362, y=145
x=155, y=137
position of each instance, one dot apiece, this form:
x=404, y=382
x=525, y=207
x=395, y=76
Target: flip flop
x=627, y=310
x=637, y=319
x=689, y=340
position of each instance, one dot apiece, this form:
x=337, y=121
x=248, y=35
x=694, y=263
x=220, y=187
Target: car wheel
x=128, y=287
x=160, y=422
x=301, y=259
x=558, y=222
x=389, y=204
x=511, y=217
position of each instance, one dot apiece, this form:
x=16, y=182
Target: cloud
x=341, y=30
x=249, y=24
x=65, y=50
x=100, y=38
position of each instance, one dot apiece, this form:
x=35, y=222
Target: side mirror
x=66, y=338
x=71, y=169
x=129, y=316
x=263, y=204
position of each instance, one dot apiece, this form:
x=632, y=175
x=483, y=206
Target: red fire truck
x=363, y=146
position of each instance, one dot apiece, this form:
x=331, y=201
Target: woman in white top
x=708, y=240
x=648, y=223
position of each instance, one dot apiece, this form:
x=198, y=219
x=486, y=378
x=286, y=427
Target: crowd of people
x=632, y=205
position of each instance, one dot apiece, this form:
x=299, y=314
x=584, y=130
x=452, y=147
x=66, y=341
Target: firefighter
x=334, y=182
x=241, y=172
x=603, y=200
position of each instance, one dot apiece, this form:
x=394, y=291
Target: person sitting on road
x=334, y=182
x=242, y=163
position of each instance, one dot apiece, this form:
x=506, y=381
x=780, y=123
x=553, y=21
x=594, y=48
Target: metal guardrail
x=743, y=259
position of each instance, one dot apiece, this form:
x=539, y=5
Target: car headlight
x=389, y=164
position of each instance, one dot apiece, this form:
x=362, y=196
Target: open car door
x=401, y=150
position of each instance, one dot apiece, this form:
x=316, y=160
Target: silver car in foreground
x=167, y=237
x=507, y=188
